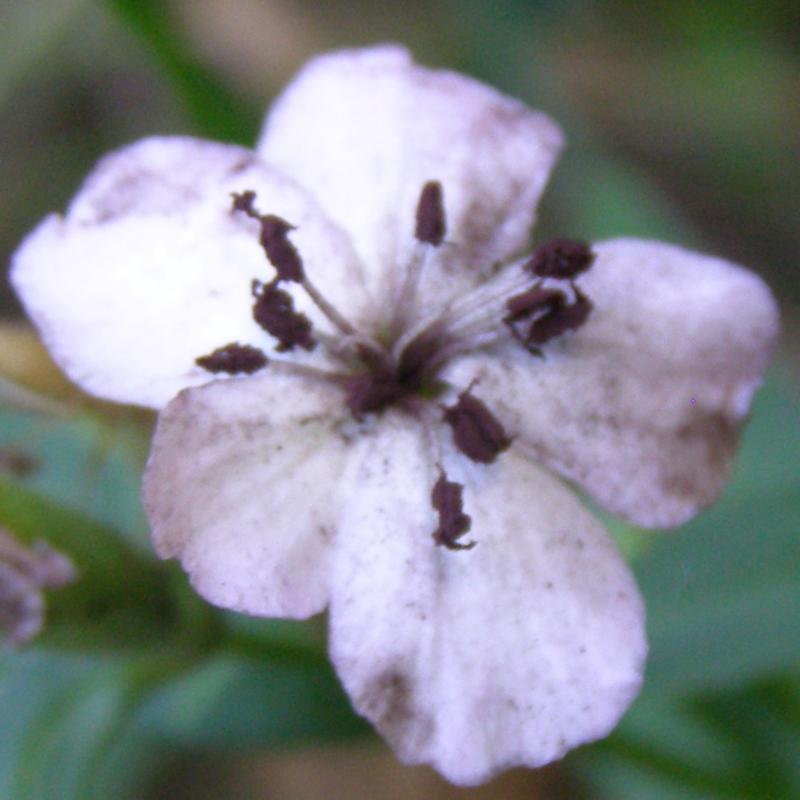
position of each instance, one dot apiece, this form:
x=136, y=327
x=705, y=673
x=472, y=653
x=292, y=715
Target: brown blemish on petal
x=388, y=701
x=712, y=440
x=389, y=696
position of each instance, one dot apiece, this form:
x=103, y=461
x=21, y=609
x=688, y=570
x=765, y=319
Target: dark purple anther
x=536, y=300
x=274, y=312
x=281, y=253
x=244, y=202
x=453, y=522
x=561, y=258
x=476, y=431
x=528, y=306
x=560, y=317
x=430, y=214
x=234, y=359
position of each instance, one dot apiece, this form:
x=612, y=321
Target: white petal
x=242, y=487
x=474, y=661
x=150, y=268
x=363, y=130
x=642, y=405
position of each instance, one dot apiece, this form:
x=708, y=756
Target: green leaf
x=723, y=593
x=59, y=751
x=616, y=199
x=216, y=111
x=77, y=727
x=121, y=599
x=733, y=744
x=88, y=462
x=232, y=703
x=63, y=715
x=719, y=715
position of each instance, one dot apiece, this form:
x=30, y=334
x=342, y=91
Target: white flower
x=409, y=392
x=24, y=573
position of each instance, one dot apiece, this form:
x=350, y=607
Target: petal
x=474, y=661
x=242, y=487
x=642, y=406
x=150, y=268
x=363, y=130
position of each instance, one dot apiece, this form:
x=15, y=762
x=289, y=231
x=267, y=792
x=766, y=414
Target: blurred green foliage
x=212, y=107
x=130, y=655
x=684, y=119
x=719, y=715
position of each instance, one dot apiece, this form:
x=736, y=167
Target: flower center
x=529, y=303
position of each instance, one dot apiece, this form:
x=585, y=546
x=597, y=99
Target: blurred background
x=683, y=124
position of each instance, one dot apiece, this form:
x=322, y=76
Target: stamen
x=429, y=232
x=307, y=371
x=476, y=312
x=476, y=431
x=560, y=317
x=531, y=306
x=430, y=218
x=523, y=305
x=453, y=522
x=274, y=312
x=506, y=303
x=561, y=258
x=283, y=255
x=455, y=346
x=326, y=308
x=234, y=359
